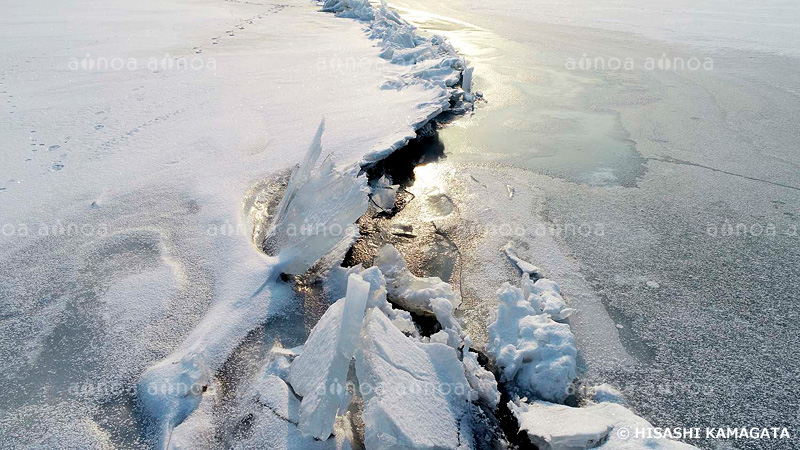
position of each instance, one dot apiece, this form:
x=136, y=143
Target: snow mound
x=545, y=296
x=531, y=350
x=557, y=427
x=320, y=372
x=317, y=211
x=169, y=391
x=409, y=291
x=415, y=394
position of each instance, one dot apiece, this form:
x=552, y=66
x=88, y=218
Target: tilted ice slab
x=411, y=292
x=532, y=351
x=173, y=388
x=415, y=394
x=317, y=211
x=336, y=287
x=320, y=372
x=273, y=412
x=557, y=427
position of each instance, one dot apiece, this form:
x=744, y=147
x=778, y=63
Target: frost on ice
x=320, y=372
x=317, y=211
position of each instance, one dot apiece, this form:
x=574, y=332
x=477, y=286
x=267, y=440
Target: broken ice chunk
x=268, y=413
x=607, y=425
x=531, y=349
x=481, y=380
x=523, y=265
x=317, y=211
x=319, y=374
x=443, y=310
x=558, y=427
x=415, y=394
x=377, y=294
x=466, y=81
x=407, y=290
x=384, y=193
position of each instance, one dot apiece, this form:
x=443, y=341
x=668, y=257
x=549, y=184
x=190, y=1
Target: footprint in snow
x=53, y=147
x=57, y=166
x=98, y=126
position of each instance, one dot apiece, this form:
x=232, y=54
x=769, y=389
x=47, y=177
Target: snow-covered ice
x=534, y=352
x=411, y=292
x=558, y=427
x=415, y=394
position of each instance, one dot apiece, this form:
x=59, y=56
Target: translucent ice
x=317, y=211
x=320, y=372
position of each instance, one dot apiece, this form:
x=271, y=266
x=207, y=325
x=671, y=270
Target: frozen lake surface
x=660, y=161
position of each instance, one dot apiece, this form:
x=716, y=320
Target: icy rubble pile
x=273, y=412
x=531, y=349
x=536, y=355
x=417, y=392
x=435, y=62
x=332, y=344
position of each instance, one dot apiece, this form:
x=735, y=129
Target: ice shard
x=319, y=374
x=317, y=211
